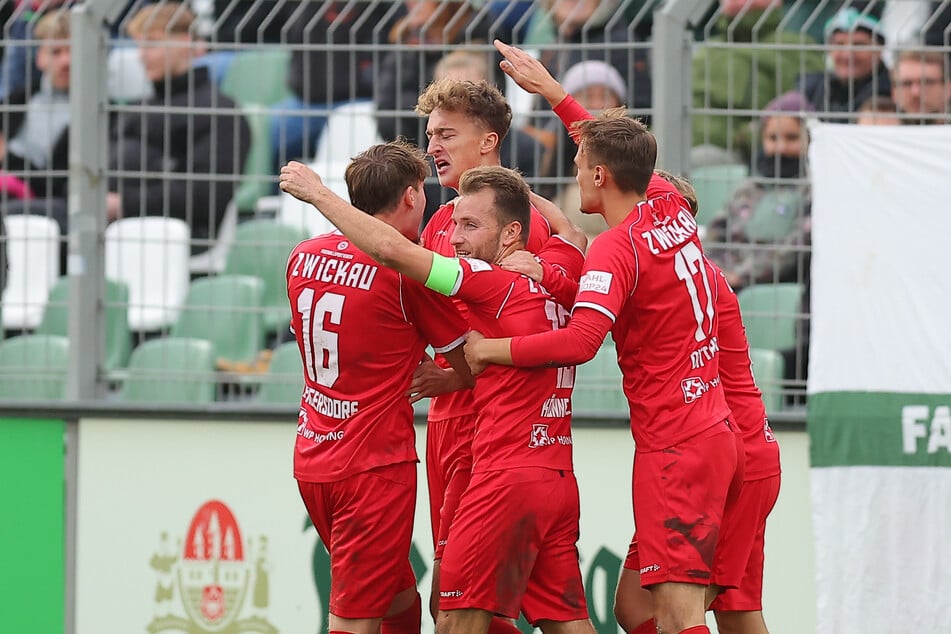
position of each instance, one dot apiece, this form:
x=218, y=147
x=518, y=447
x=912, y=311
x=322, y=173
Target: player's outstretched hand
x=300, y=181
x=529, y=73
x=431, y=380
x=473, y=342
x=523, y=262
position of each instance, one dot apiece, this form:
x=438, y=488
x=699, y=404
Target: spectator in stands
x=857, y=72
x=921, y=86
x=322, y=78
x=182, y=163
x=580, y=30
x=878, y=111
x=406, y=71
x=34, y=133
x=740, y=77
x=775, y=199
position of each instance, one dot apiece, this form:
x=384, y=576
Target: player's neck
x=618, y=205
x=510, y=249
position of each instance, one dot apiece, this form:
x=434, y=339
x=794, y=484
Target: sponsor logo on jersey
x=768, y=431
x=212, y=581
x=596, y=281
x=693, y=387
x=540, y=437
x=650, y=568
x=451, y=593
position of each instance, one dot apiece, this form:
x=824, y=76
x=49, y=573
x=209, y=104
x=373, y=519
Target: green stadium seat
x=775, y=215
x=770, y=313
x=284, y=381
x=225, y=310
x=598, y=386
x=258, y=77
x=33, y=367
x=768, y=370
x=715, y=185
x=170, y=370
x=261, y=249
x=258, y=169
x=118, y=337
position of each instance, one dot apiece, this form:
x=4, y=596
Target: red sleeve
x=570, y=111
x=561, y=264
x=556, y=281
x=577, y=343
x=435, y=315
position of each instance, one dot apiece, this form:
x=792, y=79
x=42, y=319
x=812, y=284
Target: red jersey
x=739, y=388
x=648, y=275
x=435, y=237
x=359, y=327
x=524, y=414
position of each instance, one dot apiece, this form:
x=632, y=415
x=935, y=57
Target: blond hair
x=168, y=18
x=478, y=100
x=52, y=26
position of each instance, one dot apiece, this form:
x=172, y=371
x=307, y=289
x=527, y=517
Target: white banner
x=880, y=377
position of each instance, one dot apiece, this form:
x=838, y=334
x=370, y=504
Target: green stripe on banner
x=32, y=548
x=869, y=428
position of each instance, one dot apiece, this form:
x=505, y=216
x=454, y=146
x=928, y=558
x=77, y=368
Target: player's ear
x=490, y=141
x=512, y=232
x=409, y=197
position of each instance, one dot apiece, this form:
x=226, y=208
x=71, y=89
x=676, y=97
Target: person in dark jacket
x=175, y=162
x=858, y=73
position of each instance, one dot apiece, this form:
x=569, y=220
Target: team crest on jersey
x=693, y=387
x=342, y=245
x=540, y=437
x=596, y=281
x=768, y=431
x=478, y=265
x=205, y=585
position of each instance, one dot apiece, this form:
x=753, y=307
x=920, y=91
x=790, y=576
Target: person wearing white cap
x=857, y=73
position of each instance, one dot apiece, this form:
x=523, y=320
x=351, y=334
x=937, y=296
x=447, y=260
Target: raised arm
x=374, y=237
x=529, y=73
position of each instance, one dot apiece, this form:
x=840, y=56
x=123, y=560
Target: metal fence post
x=672, y=72
x=87, y=201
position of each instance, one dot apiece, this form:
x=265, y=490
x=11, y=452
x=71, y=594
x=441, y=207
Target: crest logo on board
x=212, y=581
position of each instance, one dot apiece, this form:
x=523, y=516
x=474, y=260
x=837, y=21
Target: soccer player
x=646, y=281
x=467, y=122
x=355, y=459
x=512, y=543
x=740, y=545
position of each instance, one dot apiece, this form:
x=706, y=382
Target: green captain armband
x=442, y=277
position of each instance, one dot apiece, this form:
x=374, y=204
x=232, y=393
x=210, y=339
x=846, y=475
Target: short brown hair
x=52, y=26
x=512, y=202
x=685, y=188
x=922, y=55
x=621, y=144
x=170, y=18
x=377, y=177
x=477, y=100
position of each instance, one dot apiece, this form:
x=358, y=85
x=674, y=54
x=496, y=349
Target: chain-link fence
x=147, y=240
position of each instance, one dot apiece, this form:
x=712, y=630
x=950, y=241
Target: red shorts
x=742, y=541
x=448, y=468
x=512, y=547
x=680, y=494
x=366, y=523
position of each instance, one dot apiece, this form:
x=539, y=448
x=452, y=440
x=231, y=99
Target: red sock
x=696, y=629
x=647, y=627
x=406, y=622
x=498, y=625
